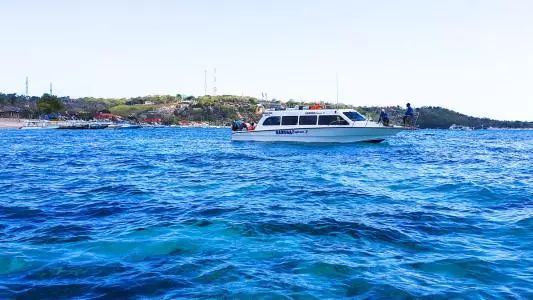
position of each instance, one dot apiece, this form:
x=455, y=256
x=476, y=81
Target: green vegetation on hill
x=217, y=110
x=220, y=109
x=129, y=110
x=49, y=104
x=438, y=117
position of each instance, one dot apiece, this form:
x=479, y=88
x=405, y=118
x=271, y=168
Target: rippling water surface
x=184, y=213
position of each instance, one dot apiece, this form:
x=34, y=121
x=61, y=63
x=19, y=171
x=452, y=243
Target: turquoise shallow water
x=184, y=213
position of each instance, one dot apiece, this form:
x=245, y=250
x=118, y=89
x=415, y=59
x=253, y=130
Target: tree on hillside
x=49, y=104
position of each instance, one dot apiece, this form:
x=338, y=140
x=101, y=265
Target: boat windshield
x=354, y=116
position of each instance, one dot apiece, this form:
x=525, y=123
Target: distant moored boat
x=460, y=127
x=39, y=124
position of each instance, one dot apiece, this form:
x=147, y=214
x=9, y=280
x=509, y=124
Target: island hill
x=214, y=110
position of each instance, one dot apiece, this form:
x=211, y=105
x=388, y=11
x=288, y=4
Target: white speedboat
x=39, y=124
x=123, y=126
x=74, y=124
x=460, y=127
x=315, y=125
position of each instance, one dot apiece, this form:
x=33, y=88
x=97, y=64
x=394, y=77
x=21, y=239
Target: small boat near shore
x=460, y=127
x=76, y=125
x=82, y=125
x=316, y=126
x=39, y=124
x=79, y=124
x=148, y=125
x=123, y=126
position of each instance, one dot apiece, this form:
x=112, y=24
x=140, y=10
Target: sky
x=472, y=56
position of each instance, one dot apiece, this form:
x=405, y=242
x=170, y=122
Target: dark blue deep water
x=185, y=213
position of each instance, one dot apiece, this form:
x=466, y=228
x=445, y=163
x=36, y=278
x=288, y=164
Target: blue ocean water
x=185, y=213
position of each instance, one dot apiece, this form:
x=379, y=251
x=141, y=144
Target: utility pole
x=214, y=81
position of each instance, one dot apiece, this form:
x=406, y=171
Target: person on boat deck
x=384, y=118
x=408, y=117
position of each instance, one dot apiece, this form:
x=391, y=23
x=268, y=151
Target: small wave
x=21, y=212
x=472, y=268
x=61, y=234
x=118, y=189
x=71, y=272
x=99, y=209
x=47, y=290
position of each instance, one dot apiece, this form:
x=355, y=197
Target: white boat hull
x=37, y=128
x=319, y=135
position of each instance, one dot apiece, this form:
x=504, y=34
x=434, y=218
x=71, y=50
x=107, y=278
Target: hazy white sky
x=475, y=57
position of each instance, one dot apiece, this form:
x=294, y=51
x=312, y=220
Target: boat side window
x=308, y=120
x=331, y=120
x=289, y=120
x=354, y=116
x=272, y=121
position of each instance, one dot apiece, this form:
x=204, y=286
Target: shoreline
x=11, y=123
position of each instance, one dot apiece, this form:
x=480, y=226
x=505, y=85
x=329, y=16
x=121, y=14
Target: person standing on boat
x=383, y=118
x=408, y=117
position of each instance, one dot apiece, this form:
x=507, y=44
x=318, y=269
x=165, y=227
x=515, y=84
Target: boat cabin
x=293, y=118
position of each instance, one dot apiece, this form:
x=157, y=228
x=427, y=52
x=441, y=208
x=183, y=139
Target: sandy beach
x=11, y=123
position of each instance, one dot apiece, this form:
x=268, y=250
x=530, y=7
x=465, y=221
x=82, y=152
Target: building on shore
x=11, y=112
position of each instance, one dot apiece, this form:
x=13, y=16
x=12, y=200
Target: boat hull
x=38, y=128
x=319, y=135
x=129, y=127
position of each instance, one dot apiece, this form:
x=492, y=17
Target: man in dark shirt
x=408, y=117
x=384, y=118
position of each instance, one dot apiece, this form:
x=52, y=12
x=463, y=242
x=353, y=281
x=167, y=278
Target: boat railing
x=417, y=114
x=411, y=122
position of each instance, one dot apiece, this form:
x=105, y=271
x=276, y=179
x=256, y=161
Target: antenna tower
x=51, y=93
x=214, y=81
x=26, y=86
x=337, y=84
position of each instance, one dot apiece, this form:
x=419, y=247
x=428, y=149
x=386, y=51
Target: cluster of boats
x=80, y=124
x=77, y=124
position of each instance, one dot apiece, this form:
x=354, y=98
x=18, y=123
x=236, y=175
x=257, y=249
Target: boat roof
x=298, y=112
